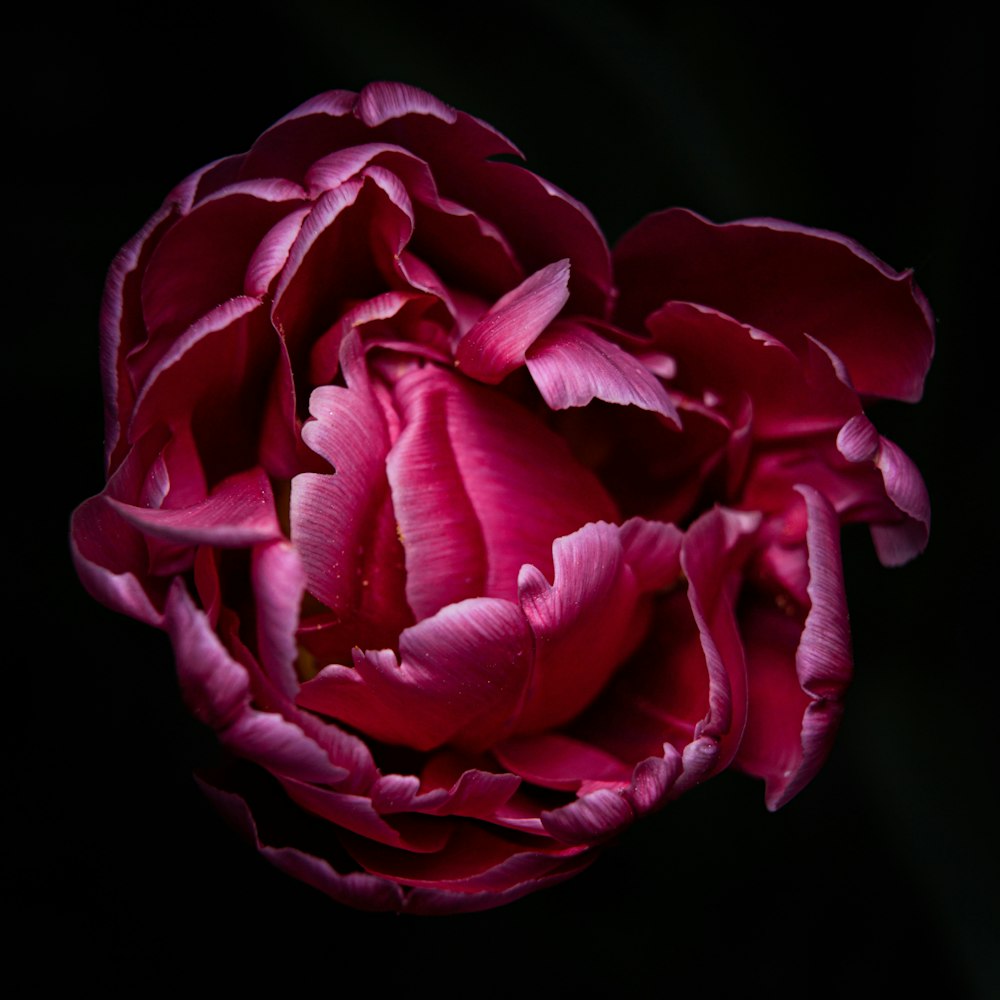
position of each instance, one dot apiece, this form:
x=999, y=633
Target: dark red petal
x=790, y=281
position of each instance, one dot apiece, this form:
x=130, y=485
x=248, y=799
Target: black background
x=881, y=876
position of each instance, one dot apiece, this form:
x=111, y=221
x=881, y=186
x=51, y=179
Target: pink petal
x=271, y=254
x=278, y=584
x=474, y=793
x=585, y=624
x=495, y=346
x=215, y=688
x=590, y=819
x=122, y=329
x=268, y=739
x=343, y=524
x=380, y=102
x=441, y=901
x=653, y=552
x=653, y=780
x=898, y=540
x=572, y=365
x=470, y=464
x=238, y=513
x=798, y=671
x=110, y=555
x=462, y=672
x=790, y=281
x=712, y=538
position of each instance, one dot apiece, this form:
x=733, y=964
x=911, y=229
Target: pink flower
x=471, y=553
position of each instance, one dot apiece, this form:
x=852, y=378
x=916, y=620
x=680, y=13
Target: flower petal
x=458, y=678
x=572, y=365
x=238, y=513
x=897, y=540
x=790, y=281
x=495, y=346
x=470, y=463
x=798, y=670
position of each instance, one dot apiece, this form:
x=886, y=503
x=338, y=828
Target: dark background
x=881, y=877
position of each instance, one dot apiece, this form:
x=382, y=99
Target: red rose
x=471, y=553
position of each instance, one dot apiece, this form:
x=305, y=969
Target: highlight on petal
x=799, y=665
x=495, y=346
x=239, y=512
x=904, y=537
x=458, y=677
x=572, y=365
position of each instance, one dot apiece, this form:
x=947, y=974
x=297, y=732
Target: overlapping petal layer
x=470, y=551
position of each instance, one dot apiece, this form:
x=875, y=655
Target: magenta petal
x=799, y=671
x=278, y=583
x=585, y=623
x=475, y=793
x=789, y=280
x=108, y=554
x=420, y=835
x=445, y=550
x=572, y=365
x=554, y=760
x=495, y=346
x=215, y=687
x=592, y=617
x=122, y=330
x=380, y=102
x=201, y=262
x=343, y=524
x=462, y=672
x=472, y=463
x=589, y=819
x=704, y=559
x=896, y=541
x=238, y=513
x=270, y=740
x=272, y=252
x=653, y=551
x=653, y=780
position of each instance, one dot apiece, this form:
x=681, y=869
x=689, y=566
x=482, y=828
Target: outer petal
x=798, y=670
x=899, y=540
x=790, y=281
x=238, y=513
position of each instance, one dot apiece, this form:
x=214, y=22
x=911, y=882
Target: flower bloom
x=474, y=541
